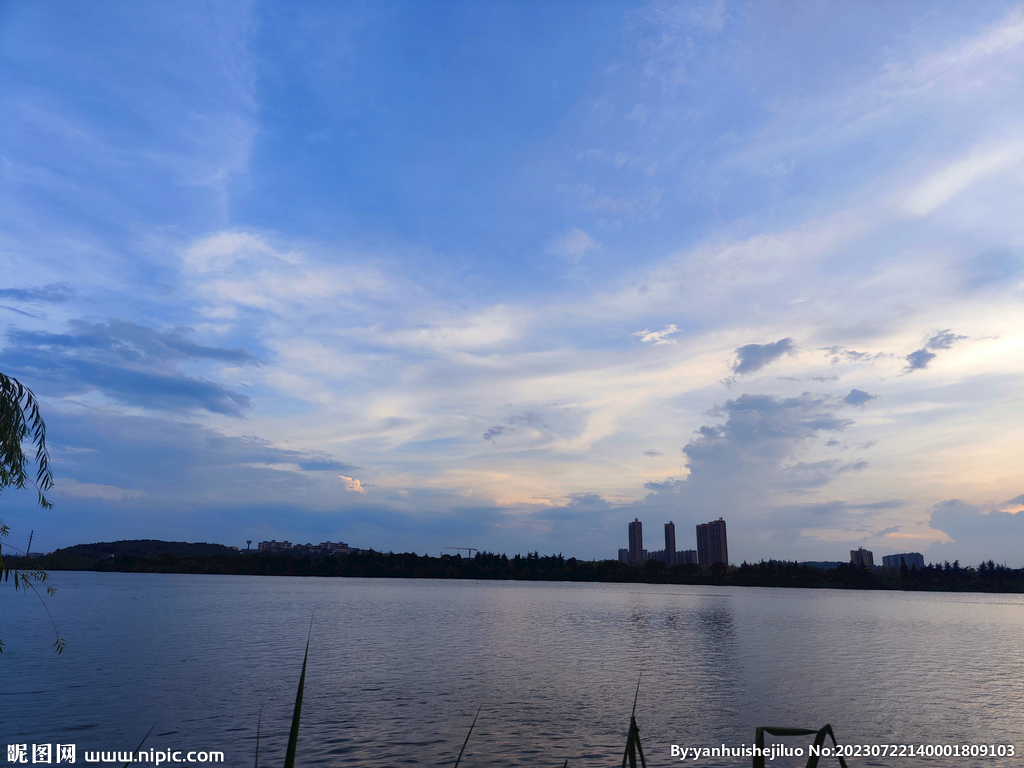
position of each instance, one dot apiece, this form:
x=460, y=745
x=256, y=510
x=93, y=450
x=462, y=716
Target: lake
x=398, y=668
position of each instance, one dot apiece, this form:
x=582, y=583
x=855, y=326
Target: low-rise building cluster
x=323, y=549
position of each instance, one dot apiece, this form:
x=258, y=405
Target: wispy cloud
x=944, y=184
x=573, y=245
x=920, y=359
x=55, y=293
x=657, y=337
x=128, y=362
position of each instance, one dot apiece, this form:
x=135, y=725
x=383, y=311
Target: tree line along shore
x=178, y=557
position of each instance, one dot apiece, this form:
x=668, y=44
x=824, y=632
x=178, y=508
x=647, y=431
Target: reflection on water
x=398, y=668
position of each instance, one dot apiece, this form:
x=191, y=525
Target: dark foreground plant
x=464, y=743
x=293, y=734
x=135, y=754
x=633, y=747
x=20, y=420
x=819, y=739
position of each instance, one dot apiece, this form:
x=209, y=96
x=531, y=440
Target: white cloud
x=573, y=246
x=234, y=270
x=221, y=250
x=351, y=484
x=657, y=337
x=995, y=39
x=942, y=185
x=487, y=329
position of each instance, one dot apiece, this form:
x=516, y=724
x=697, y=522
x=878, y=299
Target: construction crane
x=469, y=550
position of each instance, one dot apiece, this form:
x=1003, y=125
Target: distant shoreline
x=534, y=567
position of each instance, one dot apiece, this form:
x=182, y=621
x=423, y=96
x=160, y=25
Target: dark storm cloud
x=55, y=293
x=127, y=362
x=754, y=357
x=858, y=397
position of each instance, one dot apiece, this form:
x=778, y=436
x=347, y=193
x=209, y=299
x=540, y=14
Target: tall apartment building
x=670, y=543
x=636, y=542
x=861, y=556
x=686, y=557
x=623, y=555
x=712, y=546
x=910, y=558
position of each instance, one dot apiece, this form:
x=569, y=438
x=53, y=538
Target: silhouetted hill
x=106, y=550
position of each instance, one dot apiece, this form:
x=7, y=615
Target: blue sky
x=508, y=275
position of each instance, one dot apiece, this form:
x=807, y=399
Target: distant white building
x=273, y=546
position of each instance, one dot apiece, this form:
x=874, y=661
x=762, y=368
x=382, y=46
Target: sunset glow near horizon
x=510, y=275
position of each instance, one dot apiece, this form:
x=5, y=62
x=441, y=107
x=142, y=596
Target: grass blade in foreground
x=259, y=722
x=459, y=758
x=135, y=754
x=633, y=746
x=633, y=739
x=293, y=736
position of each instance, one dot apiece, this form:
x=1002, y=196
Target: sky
x=511, y=275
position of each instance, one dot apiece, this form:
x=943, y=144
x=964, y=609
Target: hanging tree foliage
x=20, y=421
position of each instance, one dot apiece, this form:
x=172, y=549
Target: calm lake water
x=397, y=668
